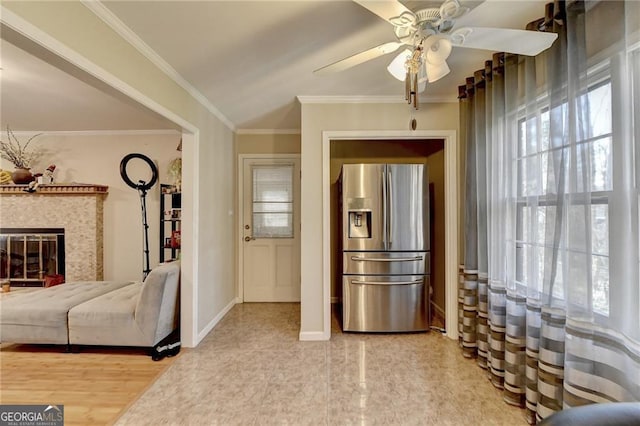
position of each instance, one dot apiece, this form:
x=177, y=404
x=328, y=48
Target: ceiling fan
x=429, y=36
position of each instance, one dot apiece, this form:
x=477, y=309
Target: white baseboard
x=311, y=336
x=215, y=321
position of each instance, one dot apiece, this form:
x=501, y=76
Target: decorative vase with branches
x=20, y=155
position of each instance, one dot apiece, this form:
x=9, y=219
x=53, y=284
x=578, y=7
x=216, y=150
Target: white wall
x=216, y=289
x=317, y=118
x=95, y=158
x=268, y=143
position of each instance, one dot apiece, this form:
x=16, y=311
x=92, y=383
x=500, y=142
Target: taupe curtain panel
x=549, y=292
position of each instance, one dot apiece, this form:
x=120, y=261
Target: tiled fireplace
x=75, y=209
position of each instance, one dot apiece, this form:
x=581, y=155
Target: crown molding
x=350, y=99
x=268, y=131
x=109, y=18
x=159, y=132
x=372, y=99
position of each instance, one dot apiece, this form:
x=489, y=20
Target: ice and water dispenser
x=359, y=224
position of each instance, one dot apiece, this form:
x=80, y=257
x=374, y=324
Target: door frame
x=240, y=210
x=452, y=214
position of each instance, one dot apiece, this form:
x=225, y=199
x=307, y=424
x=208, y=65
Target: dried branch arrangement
x=18, y=153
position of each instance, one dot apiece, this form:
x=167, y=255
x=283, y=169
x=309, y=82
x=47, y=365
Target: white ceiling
x=251, y=59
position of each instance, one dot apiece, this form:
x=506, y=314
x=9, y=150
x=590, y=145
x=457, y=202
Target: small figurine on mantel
x=32, y=186
x=48, y=174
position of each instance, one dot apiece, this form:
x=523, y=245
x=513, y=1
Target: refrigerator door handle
x=387, y=259
x=390, y=208
x=387, y=282
x=385, y=210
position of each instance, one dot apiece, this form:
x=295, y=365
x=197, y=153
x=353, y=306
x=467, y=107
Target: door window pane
x=272, y=207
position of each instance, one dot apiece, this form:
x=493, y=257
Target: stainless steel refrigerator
x=385, y=247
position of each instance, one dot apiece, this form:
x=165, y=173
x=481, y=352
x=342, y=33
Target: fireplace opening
x=32, y=257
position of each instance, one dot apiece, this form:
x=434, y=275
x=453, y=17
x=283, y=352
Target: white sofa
x=41, y=316
x=123, y=313
x=140, y=314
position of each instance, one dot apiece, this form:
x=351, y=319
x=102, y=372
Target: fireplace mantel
x=76, y=208
x=56, y=188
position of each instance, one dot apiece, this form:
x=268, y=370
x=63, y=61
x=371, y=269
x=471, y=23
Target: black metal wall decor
x=142, y=187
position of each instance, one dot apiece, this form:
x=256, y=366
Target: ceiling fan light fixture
x=422, y=79
x=438, y=50
x=422, y=84
x=436, y=71
x=397, y=67
x=430, y=35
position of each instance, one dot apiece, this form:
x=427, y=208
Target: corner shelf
x=170, y=222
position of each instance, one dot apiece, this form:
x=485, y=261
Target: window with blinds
x=272, y=206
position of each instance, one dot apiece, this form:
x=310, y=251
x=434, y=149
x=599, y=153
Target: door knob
x=248, y=238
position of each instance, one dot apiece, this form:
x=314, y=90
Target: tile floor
x=252, y=370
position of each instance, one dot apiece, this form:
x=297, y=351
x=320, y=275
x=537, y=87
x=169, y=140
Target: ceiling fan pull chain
x=415, y=91
x=407, y=87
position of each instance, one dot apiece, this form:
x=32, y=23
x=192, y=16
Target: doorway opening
x=451, y=218
x=429, y=152
x=50, y=51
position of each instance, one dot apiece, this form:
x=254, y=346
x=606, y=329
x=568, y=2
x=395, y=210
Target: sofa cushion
x=139, y=315
x=157, y=308
x=108, y=320
x=41, y=316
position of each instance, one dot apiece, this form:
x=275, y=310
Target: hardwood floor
x=95, y=385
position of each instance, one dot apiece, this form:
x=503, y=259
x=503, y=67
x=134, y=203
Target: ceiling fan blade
x=390, y=10
x=360, y=58
x=522, y=42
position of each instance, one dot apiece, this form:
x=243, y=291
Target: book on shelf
x=173, y=214
x=175, y=239
x=169, y=189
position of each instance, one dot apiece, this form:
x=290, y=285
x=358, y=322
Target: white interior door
x=270, y=229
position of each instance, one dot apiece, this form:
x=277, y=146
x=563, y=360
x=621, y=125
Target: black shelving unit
x=170, y=221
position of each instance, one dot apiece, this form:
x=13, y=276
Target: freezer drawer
x=385, y=263
x=385, y=303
